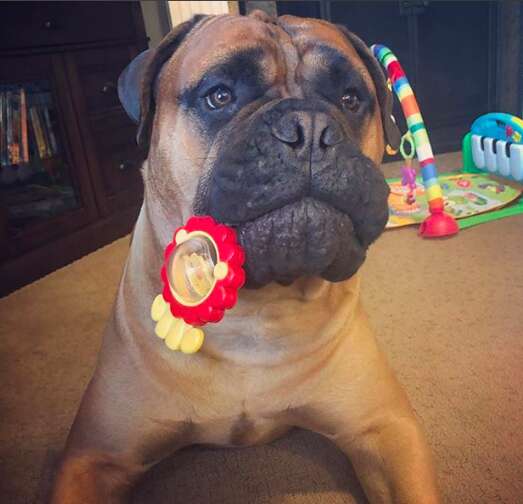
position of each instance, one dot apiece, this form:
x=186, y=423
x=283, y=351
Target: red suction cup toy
x=438, y=225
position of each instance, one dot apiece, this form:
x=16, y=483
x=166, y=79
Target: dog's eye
x=219, y=97
x=351, y=101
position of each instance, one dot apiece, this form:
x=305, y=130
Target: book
x=33, y=145
x=23, y=127
x=45, y=132
x=42, y=100
x=50, y=131
x=28, y=138
x=13, y=125
x=15, y=147
x=9, y=126
x=4, y=159
x=37, y=128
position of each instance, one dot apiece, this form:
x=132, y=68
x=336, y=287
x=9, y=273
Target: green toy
x=494, y=142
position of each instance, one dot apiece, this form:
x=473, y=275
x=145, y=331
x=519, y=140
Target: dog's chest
x=241, y=430
x=239, y=410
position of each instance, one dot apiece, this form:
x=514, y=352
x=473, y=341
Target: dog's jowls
x=304, y=198
x=276, y=127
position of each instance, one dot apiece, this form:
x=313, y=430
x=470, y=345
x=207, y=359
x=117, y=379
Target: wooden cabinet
x=45, y=72
x=108, y=133
x=40, y=24
x=79, y=185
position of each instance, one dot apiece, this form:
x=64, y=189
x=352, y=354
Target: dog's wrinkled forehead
x=283, y=52
x=218, y=42
x=273, y=58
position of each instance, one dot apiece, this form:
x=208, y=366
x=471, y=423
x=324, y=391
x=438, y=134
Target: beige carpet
x=447, y=312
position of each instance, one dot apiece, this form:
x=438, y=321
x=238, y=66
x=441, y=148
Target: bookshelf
x=69, y=164
x=35, y=180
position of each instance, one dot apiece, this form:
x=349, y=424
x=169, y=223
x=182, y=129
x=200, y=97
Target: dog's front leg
x=125, y=424
x=392, y=461
x=360, y=405
x=91, y=477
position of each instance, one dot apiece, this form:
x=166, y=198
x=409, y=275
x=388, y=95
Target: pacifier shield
x=191, y=270
x=202, y=271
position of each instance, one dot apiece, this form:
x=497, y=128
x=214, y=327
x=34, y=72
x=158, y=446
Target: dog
x=276, y=127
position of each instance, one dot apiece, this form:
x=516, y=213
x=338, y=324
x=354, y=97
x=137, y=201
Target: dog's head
x=273, y=126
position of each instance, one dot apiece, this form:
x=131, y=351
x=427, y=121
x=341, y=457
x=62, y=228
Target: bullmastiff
x=276, y=127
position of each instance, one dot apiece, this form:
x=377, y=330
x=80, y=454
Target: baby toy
x=494, y=144
x=408, y=173
x=488, y=188
x=201, y=275
x=438, y=223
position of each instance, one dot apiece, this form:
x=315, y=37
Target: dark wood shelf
x=80, y=61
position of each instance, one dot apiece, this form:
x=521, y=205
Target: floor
x=448, y=313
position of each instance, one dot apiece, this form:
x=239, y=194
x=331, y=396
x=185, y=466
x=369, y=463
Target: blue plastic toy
x=495, y=144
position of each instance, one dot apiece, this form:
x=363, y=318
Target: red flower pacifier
x=201, y=273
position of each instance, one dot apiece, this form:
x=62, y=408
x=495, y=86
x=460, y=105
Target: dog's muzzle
x=303, y=198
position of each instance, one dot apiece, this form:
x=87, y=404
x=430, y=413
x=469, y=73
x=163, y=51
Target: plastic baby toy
x=201, y=275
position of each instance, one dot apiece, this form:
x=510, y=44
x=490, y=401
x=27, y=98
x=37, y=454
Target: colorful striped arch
x=434, y=225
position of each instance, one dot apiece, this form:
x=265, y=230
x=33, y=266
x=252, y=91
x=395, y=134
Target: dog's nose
x=307, y=133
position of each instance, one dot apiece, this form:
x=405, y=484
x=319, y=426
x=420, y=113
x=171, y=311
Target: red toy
x=202, y=273
x=438, y=223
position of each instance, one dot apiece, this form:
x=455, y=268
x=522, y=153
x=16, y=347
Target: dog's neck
x=266, y=326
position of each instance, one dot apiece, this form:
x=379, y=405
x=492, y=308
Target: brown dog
x=276, y=127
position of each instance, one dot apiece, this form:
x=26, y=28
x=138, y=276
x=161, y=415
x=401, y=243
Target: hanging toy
x=408, y=173
x=438, y=223
x=201, y=275
x=391, y=151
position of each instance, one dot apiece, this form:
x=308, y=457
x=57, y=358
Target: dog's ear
x=136, y=84
x=384, y=94
x=129, y=85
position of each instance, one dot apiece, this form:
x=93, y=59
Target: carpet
x=448, y=314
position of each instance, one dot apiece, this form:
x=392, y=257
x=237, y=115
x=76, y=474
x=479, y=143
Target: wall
x=268, y=7
x=508, y=85
x=181, y=11
x=156, y=21
x=160, y=16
